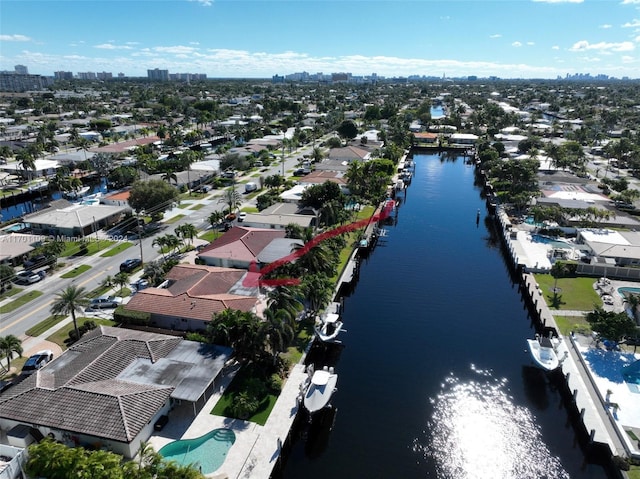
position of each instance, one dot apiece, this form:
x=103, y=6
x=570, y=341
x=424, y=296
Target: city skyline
x=259, y=39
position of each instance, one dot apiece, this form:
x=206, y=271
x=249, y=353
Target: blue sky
x=238, y=38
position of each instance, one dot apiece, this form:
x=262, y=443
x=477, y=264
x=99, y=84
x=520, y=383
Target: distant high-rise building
x=63, y=75
x=158, y=75
x=21, y=70
x=86, y=76
x=11, y=81
x=104, y=75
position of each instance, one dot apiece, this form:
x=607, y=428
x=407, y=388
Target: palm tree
x=71, y=300
x=186, y=231
x=278, y=331
x=284, y=298
x=232, y=198
x=318, y=290
x=160, y=242
x=108, y=282
x=169, y=175
x=215, y=218
x=26, y=162
x=153, y=271
x=121, y=279
x=8, y=345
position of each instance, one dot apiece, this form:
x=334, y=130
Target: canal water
x=38, y=201
x=434, y=379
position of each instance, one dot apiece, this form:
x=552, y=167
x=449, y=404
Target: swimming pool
x=208, y=451
x=547, y=240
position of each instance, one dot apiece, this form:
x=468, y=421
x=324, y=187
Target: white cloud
x=204, y=3
x=176, y=49
x=531, y=43
x=14, y=38
x=555, y=47
x=516, y=44
x=605, y=26
x=635, y=23
x=628, y=59
x=602, y=47
x=630, y=2
x=495, y=35
x=111, y=46
x=558, y=1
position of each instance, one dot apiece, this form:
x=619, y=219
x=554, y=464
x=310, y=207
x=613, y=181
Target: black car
x=129, y=265
x=38, y=261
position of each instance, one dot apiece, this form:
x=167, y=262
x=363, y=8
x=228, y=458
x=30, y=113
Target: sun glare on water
x=476, y=432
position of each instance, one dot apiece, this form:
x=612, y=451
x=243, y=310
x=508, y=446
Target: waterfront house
x=239, y=247
x=279, y=215
x=320, y=176
x=75, y=220
x=349, y=154
x=192, y=294
x=425, y=138
x=108, y=389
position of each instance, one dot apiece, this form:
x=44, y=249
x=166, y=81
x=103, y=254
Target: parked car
x=105, y=302
x=241, y=216
x=128, y=265
x=38, y=261
x=302, y=171
x=251, y=186
x=37, y=361
x=161, y=422
x=28, y=277
x=140, y=284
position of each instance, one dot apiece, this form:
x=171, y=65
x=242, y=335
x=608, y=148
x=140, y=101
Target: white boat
x=320, y=389
x=328, y=326
x=544, y=352
x=75, y=194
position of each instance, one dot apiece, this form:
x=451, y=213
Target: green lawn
x=121, y=246
x=634, y=473
x=72, y=248
x=222, y=406
x=19, y=301
x=44, y=325
x=566, y=324
x=197, y=206
x=209, y=235
x=78, y=270
x=575, y=293
x=62, y=334
x=11, y=292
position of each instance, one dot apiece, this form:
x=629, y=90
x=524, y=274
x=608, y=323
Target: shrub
x=621, y=463
x=275, y=383
x=128, y=316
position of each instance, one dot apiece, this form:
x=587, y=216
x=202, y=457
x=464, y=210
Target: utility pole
x=140, y=231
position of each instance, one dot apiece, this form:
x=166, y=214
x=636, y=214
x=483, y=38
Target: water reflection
x=477, y=431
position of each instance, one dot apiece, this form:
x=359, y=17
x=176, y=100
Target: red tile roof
x=197, y=293
x=241, y=243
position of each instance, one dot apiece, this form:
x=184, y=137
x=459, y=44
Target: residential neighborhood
x=224, y=217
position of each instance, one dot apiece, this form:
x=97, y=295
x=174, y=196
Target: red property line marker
x=254, y=276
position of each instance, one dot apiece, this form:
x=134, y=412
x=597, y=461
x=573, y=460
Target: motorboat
x=328, y=326
x=320, y=389
x=75, y=194
x=544, y=352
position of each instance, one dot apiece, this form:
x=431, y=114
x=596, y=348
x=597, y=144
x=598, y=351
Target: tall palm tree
x=169, y=176
x=71, y=300
x=286, y=299
x=8, y=345
x=26, y=162
x=121, y=279
x=232, y=198
x=278, y=331
x=186, y=231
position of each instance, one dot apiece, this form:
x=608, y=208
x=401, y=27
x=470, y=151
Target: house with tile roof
x=109, y=389
x=192, y=294
x=238, y=247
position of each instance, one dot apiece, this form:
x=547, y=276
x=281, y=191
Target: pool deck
x=605, y=423
x=257, y=448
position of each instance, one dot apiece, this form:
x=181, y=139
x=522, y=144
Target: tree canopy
x=153, y=196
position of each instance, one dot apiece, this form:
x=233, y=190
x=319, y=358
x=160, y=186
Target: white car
x=241, y=216
x=28, y=277
x=105, y=302
x=37, y=361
